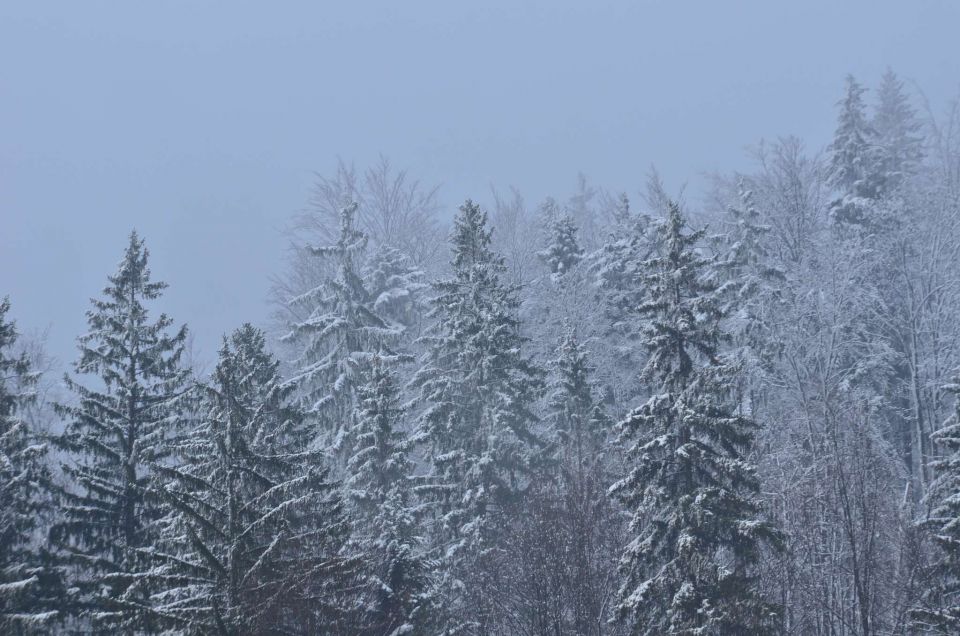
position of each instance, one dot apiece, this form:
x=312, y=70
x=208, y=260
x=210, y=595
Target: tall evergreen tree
x=479, y=389
x=697, y=526
x=589, y=524
x=854, y=160
x=400, y=586
x=253, y=539
x=25, y=573
x=342, y=329
x=899, y=266
x=582, y=208
x=940, y=610
x=620, y=213
x=562, y=251
x=396, y=288
x=751, y=291
x=898, y=132
x=574, y=415
x=119, y=427
x=619, y=278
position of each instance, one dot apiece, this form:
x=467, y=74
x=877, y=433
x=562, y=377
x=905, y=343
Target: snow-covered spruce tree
x=478, y=389
x=118, y=427
x=901, y=263
x=26, y=575
x=400, y=588
x=751, y=291
x=573, y=414
x=396, y=288
x=619, y=279
x=591, y=528
x=582, y=208
x=341, y=330
x=940, y=611
x=898, y=134
x=253, y=538
x=892, y=264
x=620, y=213
x=562, y=295
x=562, y=251
x=548, y=212
x=853, y=161
x=697, y=526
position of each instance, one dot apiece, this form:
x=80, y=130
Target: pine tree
x=562, y=252
x=26, y=575
x=853, y=160
x=899, y=142
x=889, y=262
x=479, y=389
x=119, y=427
x=400, y=585
x=253, y=539
x=396, y=288
x=619, y=278
x=342, y=331
x=940, y=610
x=696, y=522
x=621, y=214
x=581, y=207
x=548, y=212
x=586, y=526
x=751, y=289
x=573, y=414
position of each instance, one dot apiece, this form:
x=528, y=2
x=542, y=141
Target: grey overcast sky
x=201, y=123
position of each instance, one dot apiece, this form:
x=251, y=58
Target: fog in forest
x=509, y=318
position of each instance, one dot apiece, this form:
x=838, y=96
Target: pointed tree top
x=133, y=273
x=471, y=237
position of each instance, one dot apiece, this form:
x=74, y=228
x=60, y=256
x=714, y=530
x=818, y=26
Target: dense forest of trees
x=605, y=415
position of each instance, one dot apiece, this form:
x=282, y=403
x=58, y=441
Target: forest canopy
x=603, y=414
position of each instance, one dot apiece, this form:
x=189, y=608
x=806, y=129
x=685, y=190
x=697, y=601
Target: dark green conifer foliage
x=478, y=388
x=342, y=331
x=697, y=526
x=28, y=580
x=401, y=590
x=562, y=251
x=119, y=426
x=254, y=535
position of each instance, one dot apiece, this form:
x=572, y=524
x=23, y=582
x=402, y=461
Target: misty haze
x=506, y=318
